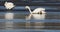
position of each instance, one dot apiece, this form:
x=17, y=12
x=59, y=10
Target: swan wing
x=37, y=10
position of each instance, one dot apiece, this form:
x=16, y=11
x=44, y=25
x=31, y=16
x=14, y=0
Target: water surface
x=26, y=22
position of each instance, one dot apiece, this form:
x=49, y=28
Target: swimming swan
x=36, y=11
x=9, y=5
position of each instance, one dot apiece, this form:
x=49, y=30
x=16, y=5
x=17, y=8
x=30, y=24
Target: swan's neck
x=30, y=10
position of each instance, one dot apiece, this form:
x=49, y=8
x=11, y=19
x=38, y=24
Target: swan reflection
x=9, y=16
x=36, y=16
x=9, y=24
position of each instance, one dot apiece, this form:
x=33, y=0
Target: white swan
x=36, y=16
x=9, y=5
x=37, y=10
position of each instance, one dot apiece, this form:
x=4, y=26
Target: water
x=26, y=22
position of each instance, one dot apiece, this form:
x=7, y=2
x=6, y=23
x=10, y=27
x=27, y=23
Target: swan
x=36, y=16
x=9, y=5
x=37, y=10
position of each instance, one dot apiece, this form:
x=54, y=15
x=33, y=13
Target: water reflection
x=36, y=16
x=12, y=16
x=9, y=16
x=29, y=25
x=8, y=23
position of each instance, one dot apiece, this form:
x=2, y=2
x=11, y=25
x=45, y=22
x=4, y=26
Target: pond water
x=25, y=22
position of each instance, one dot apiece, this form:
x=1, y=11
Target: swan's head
x=27, y=7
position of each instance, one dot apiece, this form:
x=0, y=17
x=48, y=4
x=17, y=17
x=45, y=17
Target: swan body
x=37, y=10
x=36, y=16
x=9, y=5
